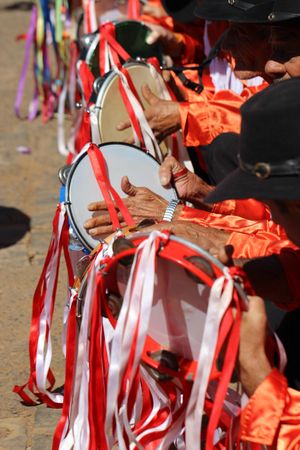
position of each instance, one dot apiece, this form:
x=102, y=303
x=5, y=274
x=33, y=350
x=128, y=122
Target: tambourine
x=110, y=107
x=185, y=274
x=160, y=341
x=131, y=35
x=177, y=285
x=121, y=159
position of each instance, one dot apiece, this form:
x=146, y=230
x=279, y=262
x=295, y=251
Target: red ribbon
x=110, y=195
x=84, y=133
x=134, y=9
x=98, y=362
x=69, y=375
x=37, y=308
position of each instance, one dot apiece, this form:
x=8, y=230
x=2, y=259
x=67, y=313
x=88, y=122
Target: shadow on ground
x=14, y=224
x=20, y=6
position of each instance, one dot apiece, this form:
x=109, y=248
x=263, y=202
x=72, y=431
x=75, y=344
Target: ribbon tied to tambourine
x=163, y=300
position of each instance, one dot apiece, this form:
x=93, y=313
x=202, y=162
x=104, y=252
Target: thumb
x=128, y=188
x=168, y=168
x=152, y=37
x=148, y=95
x=225, y=255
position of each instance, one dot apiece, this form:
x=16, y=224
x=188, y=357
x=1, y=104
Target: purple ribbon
x=33, y=107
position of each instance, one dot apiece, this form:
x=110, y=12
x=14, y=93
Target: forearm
x=254, y=368
x=196, y=196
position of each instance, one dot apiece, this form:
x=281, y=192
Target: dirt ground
x=29, y=190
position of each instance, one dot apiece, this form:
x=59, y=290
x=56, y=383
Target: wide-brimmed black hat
x=268, y=147
x=285, y=10
x=181, y=11
x=248, y=11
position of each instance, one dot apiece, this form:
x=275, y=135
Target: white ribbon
x=72, y=296
x=137, y=304
x=77, y=437
x=163, y=401
x=219, y=300
x=94, y=125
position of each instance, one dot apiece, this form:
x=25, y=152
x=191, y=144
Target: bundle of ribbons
x=111, y=397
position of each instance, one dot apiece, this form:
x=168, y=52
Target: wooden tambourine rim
x=108, y=81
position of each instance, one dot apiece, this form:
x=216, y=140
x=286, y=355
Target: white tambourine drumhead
x=110, y=106
x=121, y=159
x=180, y=299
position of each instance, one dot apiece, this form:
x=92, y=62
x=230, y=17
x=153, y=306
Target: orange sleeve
x=251, y=239
x=205, y=116
x=272, y=416
x=249, y=209
x=211, y=115
x=261, y=242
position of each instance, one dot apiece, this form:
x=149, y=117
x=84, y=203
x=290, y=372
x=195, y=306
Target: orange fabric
x=251, y=239
x=249, y=209
x=205, y=116
x=272, y=416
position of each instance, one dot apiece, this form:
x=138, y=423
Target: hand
x=141, y=203
x=189, y=186
x=170, y=42
x=225, y=255
x=254, y=364
x=156, y=11
x=209, y=239
x=162, y=115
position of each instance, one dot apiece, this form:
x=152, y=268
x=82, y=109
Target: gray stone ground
x=28, y=192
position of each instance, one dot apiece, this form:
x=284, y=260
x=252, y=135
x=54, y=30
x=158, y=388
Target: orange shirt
x=272, y=416
x=250, y=238
x=204, y=116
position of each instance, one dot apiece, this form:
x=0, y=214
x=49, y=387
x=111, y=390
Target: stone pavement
x=28, y=195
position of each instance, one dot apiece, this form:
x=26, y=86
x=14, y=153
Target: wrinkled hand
x=189, y=186
x=154, y=11
x=210, y=239
x=141, y=203
x=225, y=255
x=254, y=364
x=169, y=41
x=162, y=115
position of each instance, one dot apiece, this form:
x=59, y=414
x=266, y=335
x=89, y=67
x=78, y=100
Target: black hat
x=268, y=147
x=243, y=11
x=285, y=10
x=181, y=11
